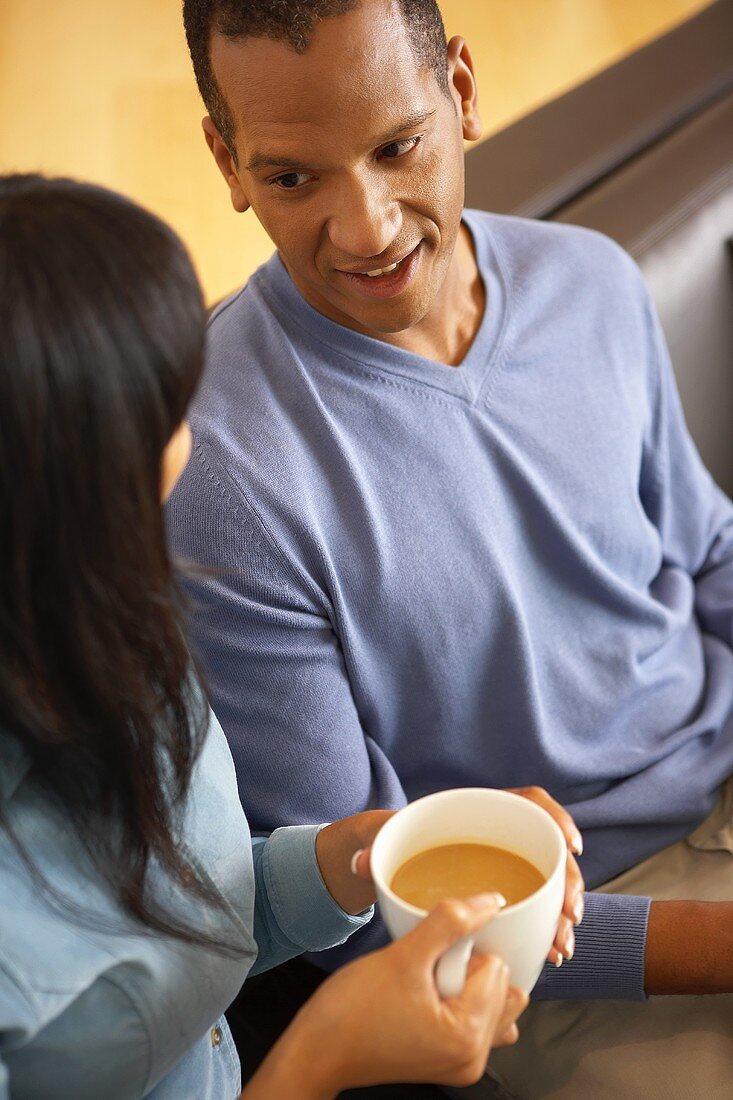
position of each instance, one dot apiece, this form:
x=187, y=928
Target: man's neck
x=448, y=329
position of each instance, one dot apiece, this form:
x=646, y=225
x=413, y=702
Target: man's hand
x=689, y=947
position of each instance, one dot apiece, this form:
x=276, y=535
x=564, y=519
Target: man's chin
x=380, y=317
x=384, y=319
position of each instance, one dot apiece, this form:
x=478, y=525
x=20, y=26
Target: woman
x=133, y=902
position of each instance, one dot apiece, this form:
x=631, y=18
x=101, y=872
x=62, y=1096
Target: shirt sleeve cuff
x=300, y=902
x=608, y=963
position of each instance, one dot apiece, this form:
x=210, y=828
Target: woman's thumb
x=452, y=919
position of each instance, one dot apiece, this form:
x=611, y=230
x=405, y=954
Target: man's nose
x=365, y=221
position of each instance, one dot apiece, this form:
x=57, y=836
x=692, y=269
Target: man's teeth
x=380, y=271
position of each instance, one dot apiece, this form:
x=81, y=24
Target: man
x=459, y=532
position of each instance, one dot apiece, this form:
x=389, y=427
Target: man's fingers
x=555, y=810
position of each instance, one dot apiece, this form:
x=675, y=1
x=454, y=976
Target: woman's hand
x=350, y=884
x=381, y=1019
x=573, y=905
x=336, y=846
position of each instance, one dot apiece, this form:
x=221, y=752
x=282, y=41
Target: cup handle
x=450, y=973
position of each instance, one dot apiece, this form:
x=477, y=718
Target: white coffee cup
x=521, y=934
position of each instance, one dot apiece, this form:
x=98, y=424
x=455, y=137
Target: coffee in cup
x=462, y=870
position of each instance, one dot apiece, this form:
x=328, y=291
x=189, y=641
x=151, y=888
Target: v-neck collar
x=465, y=380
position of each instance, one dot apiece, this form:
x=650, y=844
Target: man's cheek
x=437, y=190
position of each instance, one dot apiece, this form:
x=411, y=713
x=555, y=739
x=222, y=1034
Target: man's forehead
x=276, y=94
x=354, y=41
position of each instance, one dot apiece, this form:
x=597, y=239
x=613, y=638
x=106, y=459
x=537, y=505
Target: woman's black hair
x=101, y=347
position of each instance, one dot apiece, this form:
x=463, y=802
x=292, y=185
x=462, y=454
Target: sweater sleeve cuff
x=300, y=902
x=608, y=963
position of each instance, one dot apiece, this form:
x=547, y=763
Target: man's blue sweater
x=512, y=572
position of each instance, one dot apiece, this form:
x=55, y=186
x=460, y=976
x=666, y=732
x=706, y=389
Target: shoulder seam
x=207, y=463
x=221, y=309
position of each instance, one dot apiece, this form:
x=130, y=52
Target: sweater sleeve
x=695, y=523
x=693, y=516
x=274, y=663
x=294, y=912
x=608, y=963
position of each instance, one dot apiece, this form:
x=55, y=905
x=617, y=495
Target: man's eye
x=398, y=149
x=289, y=181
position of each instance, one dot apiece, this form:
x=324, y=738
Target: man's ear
x=462, y=83
x=225, y=163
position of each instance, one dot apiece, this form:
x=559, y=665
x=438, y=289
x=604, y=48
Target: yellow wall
x=103, y=91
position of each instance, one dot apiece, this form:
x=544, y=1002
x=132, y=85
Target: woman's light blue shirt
x=95, y=1005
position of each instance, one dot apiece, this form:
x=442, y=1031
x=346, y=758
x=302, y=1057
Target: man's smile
x=387, y=281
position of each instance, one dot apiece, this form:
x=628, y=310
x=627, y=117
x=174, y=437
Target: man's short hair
x=292, y=21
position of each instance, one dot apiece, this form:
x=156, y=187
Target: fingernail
x=355, y=859
x=569, y=945
x=486, y=901
x=578, y=910
x=558, y=960
x=576, y=844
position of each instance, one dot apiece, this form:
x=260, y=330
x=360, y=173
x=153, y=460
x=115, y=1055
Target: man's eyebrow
x=408, y=123
x=266, y=160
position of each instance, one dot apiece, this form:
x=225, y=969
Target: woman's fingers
x=508, y=1039
x=488, y=996
x=564, y=944
x=448, y=922
x=481, y=1004
x=366, y=825
x=361, y=863
x=574, y=903
x=514, y=1005
x=570, y=830
x=486, y=988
